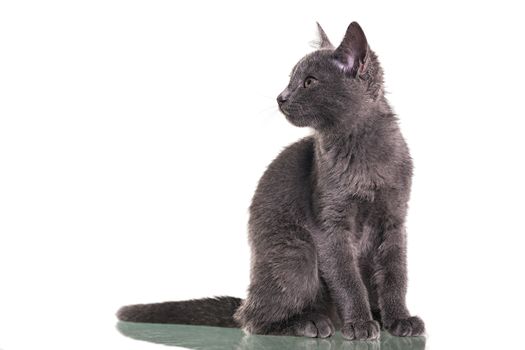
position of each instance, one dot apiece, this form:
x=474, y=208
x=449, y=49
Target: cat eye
x=309, y=81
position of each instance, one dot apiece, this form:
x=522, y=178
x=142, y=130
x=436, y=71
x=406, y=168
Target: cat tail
x=216, y=312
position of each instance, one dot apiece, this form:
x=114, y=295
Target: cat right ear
x=324, y=42
x=352, y=55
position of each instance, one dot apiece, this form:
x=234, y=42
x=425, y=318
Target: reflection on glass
x=214, y=338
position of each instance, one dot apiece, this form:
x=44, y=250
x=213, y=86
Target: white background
x=133, y=134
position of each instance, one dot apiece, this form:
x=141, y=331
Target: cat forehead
x=315, y=61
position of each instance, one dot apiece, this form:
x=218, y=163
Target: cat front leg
x=338, y=267
x=391, y=280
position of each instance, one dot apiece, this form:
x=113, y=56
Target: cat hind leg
x=285, y=294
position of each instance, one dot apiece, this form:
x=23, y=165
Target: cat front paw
x=365, y=330
x=406, y=327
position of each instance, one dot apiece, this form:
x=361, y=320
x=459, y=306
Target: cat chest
x=360, y=232
x=355, y=181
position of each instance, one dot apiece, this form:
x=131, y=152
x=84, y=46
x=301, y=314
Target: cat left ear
x=352, y=54
x=324, y=42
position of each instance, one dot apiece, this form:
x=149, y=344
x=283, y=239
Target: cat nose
x=283, y=96
x=280, y=100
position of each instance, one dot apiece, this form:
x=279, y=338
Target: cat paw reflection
x=390, y=342
x=214, y=338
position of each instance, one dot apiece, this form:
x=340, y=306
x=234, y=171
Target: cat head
x=333, y=88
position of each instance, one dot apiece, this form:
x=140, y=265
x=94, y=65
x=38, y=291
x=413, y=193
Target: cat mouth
x=293, y=117
x=286, y=113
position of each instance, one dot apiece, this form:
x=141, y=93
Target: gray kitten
x=326, y=224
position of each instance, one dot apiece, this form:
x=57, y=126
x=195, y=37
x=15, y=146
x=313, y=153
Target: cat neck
x=350, y=160
x=354, y=135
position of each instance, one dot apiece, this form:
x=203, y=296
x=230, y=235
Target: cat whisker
x=268, y=109
x=267, y=96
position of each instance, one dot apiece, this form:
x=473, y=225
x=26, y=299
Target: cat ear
x=324, y=42
x=352, y=54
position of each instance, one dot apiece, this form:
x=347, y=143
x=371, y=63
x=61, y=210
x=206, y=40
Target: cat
x=327, y=220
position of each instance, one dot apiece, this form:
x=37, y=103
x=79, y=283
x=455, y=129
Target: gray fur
x=327, y=219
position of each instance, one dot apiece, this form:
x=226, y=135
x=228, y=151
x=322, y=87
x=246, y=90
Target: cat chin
x=298, y=121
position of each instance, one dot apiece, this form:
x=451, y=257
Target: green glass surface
x=215, y=338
